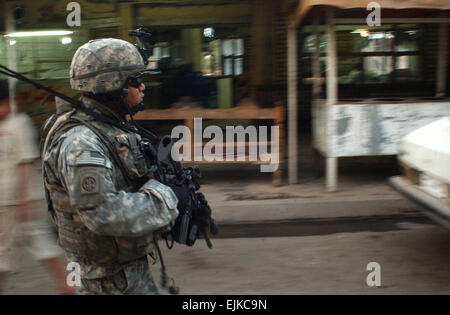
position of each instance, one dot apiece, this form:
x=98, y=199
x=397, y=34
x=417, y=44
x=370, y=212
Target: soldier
x=106, y=208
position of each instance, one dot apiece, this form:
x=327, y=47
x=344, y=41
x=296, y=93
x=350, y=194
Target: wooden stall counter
x=247, y=110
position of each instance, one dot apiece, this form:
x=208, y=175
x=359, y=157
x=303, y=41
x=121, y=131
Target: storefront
x=370, y=84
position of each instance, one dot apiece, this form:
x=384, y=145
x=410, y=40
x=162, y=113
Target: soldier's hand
x=159, y=234
x=165, y=229
x=184, y=199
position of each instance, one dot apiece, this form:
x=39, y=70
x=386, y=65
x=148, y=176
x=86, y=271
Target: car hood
x=427, y=149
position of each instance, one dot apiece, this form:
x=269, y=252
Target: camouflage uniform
x=105, y=218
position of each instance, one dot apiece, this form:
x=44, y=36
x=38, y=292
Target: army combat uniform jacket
x=105, y=218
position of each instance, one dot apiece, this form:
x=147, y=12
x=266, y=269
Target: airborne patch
x=89, y=183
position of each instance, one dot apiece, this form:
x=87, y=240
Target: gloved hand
x=203, y=211
x=184, y=199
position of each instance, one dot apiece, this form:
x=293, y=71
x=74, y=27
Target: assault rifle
x=195, y=217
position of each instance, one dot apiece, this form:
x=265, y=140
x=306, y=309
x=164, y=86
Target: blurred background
x=220, y=54
x=343, y=93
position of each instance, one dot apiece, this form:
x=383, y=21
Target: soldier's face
x=135, y=95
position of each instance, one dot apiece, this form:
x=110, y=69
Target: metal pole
x=332, y=85
x=292, y=105
x=441, y=80
x=317, y=84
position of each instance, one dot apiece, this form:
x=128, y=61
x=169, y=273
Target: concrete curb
x=267, y=211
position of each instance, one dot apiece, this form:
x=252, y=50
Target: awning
x=304, y=6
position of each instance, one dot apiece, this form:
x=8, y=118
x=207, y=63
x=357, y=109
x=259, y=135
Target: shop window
x=166, y=55
x=43, y=55
x=309, y=44
x=385, y=56
x=223, y=57
x=211, y=58
x=232, y=56
x=379, y=55
x=307, y=55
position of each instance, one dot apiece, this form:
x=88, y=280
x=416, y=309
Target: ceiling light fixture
x=38, y=33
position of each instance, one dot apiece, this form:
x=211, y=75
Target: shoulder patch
x=89, y=181
x=90, y=158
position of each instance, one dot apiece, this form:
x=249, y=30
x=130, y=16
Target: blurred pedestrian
x=24, y=223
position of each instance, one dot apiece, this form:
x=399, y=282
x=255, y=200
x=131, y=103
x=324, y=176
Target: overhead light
x=208, y=32
x=38, y=33
x=66, y=40
x=361, y=31
x=381, y=35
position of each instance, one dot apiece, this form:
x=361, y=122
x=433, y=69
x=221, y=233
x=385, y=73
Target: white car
x=424, y=157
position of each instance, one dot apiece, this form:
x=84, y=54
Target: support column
x=332, y=87
x=262, y=45
x=316, y=73
x=192, y=47
x=441, y=77
x=316, y=86
x=127, y=16
x=292, y=105
x=332, y=173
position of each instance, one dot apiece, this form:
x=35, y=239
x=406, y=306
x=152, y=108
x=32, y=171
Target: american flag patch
x=90, y=158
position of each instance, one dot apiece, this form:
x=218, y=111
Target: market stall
x=367, y=126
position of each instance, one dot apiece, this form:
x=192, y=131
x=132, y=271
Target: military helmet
x=103, y=65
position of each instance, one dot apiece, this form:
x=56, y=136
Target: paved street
x=414, y=259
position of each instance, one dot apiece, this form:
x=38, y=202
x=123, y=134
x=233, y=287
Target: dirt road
x=413, y=260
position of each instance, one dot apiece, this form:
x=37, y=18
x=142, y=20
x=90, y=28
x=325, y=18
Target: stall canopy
x=304, y=6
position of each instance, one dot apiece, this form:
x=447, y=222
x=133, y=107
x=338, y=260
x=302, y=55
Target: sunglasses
x=135, y=80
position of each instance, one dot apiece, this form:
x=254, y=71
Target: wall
x=376, y=129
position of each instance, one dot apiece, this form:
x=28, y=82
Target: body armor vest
x=99, y=255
